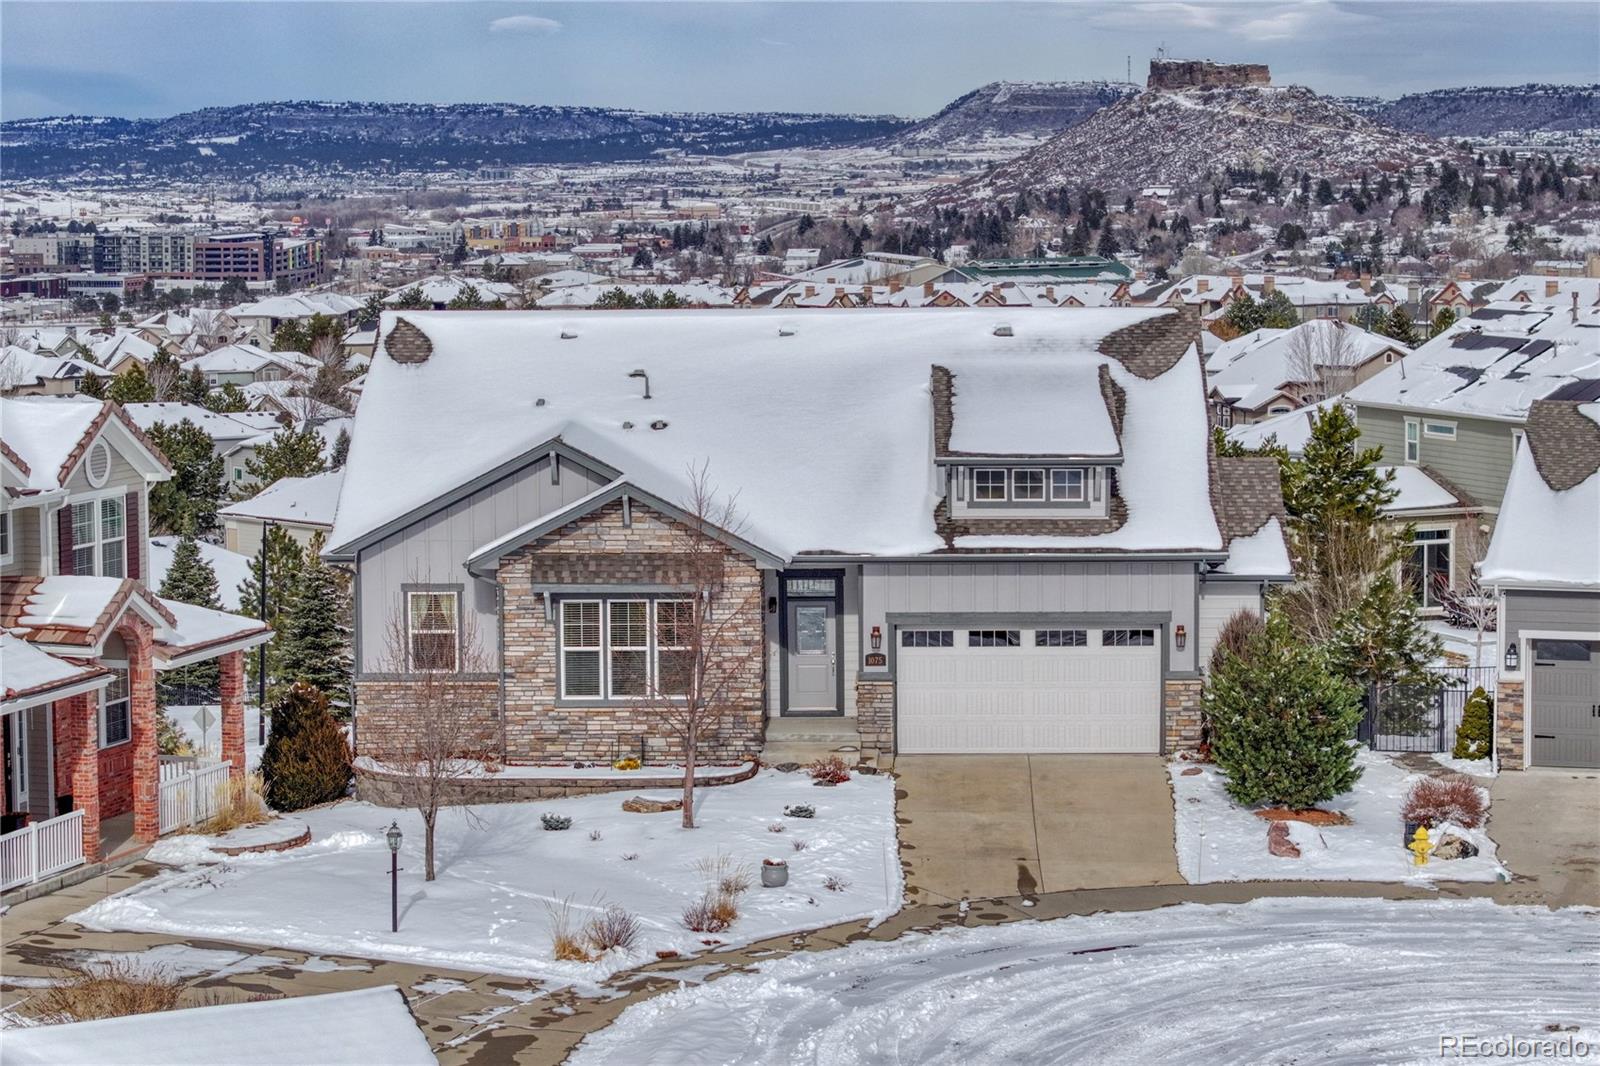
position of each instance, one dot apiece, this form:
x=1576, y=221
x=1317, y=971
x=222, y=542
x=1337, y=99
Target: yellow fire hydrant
x=1420, y=845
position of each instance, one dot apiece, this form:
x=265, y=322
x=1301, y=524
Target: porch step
x=811, y=731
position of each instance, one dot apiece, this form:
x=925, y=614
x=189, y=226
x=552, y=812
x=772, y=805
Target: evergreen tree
x=193, y=389
x=307, y=759
x=1382, y=640
x=187, y=502
x=283, y=558
x=1243, y=313
x=228, y=400
x=1371, y=317
x=1475, y=736
x=1399, y=326
x=1334, y=479
x=372, y=309
x=341, y=450
x=315, y=646
x=190, y=579
x=467, y=298
x=1281, y=721
x=1277, y=312
x=1325, y=192
x=290, y=453
x=1443, y=321
x=93, y=385
x=132, y=386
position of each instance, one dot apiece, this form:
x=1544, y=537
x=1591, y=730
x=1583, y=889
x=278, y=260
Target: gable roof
x=1547, y=533
x=73, y=611
x=51, y=435
x=31, y=676
x=309, y=500
x=821, y=425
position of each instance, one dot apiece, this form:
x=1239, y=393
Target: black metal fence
x=1422, y=717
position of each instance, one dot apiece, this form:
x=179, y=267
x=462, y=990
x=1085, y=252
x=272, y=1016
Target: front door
x=813, y=658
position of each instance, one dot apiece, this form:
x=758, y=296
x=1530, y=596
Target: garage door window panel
x=927, y=638
x=1061, y=638
x=1128, y=638
x=994, y=638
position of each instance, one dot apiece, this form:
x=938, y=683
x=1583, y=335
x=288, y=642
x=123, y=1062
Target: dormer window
x=989, y=484
x=1066, y=486
x=1027, y=485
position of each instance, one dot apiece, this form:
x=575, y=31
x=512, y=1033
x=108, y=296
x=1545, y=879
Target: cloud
x=1273, y=22
x=526, y=25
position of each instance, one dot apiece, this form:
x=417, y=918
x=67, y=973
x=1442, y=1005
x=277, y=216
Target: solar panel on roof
x=1584, y=391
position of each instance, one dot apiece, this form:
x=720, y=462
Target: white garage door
x=1028, y=690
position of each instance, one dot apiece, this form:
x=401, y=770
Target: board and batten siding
x=434, y=551
x=1478, y=459
x=1219, y=601
x=1013, y=587
x=1550, y=611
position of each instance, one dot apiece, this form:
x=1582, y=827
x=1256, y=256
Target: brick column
x=77, y=729
x=1510, y=737
x=875, y=715
x=232, y=688
x=142, y=712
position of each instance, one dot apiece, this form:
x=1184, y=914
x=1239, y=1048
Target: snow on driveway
x=488, y=909
x=1276, y=980
x=1218, y=840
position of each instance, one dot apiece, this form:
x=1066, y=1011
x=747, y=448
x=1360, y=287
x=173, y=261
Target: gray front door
x=1566, y=703
x=813, y=658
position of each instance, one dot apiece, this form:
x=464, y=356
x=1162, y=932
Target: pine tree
x=314, y=648
x=1399, y=327
x=1334, y=479
x=193, y=388
x=93, y=385
x=1475, y=736
x=1277, y=312
x=228, y=400
x=132, y=386
x=1243, y=313
x=187, y=502
x=284, y=560
x=190, y=579
x=1443, y=321
x=307, y=759
x=290, y=453
x=341, y=450
x=1382, y=640
x=1281, y=721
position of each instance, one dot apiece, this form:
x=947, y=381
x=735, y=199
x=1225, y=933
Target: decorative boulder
x=643, y=805
x=1278, y=842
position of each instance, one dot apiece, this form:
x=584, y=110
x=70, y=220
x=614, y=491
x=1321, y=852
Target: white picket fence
x=191, y=792
x=36, y=851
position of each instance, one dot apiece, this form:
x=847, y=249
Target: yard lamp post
x=394, y=836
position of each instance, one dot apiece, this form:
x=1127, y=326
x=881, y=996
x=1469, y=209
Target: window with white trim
x=116, y=717
x=989, y=483
x=630, y=648
x=626, y=648
x=434, y=630
x=1413, y=441
x=1027, y=485
x=1443, y=430
x=580, y=648
x=99, y=538
x=1066, y=486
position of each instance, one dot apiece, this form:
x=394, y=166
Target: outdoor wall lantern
x=877, y=638
x=772, y=605
x=1513, y=656
x=1181, y=635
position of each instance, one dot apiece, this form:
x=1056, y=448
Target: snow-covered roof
x=195, y=630
x=299, y=305
x=1262, y=553
x=1493, y=363
x=1252, y=369
x=1292, y=430
x=29, y=672
x=442, y=288
x=303, y=500
x=122, y=345
x=821, y=424
x=693, y=292
x=864, y=269
x=1548, y=532
x=1301, y=292
x=558, y=278
x=1003, y=409
x=1539, y=288
x=242, y=358
x=45, y=431
x=218, y=427
x=1417, y=490
x=20, y=366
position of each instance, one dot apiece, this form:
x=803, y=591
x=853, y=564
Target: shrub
x=829, y=771
x=711, y=913
x=307, y=758
x=775, y=827
x=800, y=810
x=629, y=856
x=566, y=943
x=170, y=740
x=1282, y=723
x=724, y=876
x=613, y=927
x=594, y=834
x=835, y=883
x=1475, y=737
x=241, y=804
x=1235, y=635
x=630, y=762
x=1434, y=801
x=798, y=844
x=555, y=822
x=111, y=989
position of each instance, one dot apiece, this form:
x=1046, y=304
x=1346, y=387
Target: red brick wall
x=116, y=780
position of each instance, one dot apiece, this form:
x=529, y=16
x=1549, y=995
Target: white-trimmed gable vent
x=97, y=467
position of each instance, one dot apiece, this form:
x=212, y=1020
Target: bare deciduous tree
x=710, y=642
x=1322, y=357
x=1470, y=604
x=164, y=376
x=431, y=641
x=1349, y=556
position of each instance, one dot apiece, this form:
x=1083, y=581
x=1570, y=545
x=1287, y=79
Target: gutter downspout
x=500, y=667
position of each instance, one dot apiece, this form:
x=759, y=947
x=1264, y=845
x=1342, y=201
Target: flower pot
x=774, y=874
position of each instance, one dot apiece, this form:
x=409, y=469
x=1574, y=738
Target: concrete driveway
x=1546, y=823
x=983, y=826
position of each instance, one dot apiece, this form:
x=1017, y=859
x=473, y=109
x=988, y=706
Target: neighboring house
x=225, y=430
x=286, y=401
x=438, y=291
x=25, y=373
x=1273, y=371
x=303, y=507
x=192, y=332
x=963, y=532
x=82, y=768
x=1291, y=430
x=260, y=320
x=1544, y=564
x=239, y=455
x=687, y=294
x=1538, y=288
x=245, y=364
x=1311, y=298
x=119, y=352
x=1456, y=408
x=1461, y=295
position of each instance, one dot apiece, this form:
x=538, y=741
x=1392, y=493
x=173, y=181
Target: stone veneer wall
x=387, y=721
x=875, y=714
x=1182, y=714
x=385, y=791
x=1509, y=736
x=598, y=549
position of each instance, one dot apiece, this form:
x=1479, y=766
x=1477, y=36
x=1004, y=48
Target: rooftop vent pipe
x=642, y=374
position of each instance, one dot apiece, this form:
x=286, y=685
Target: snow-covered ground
x=202, y=725
x=499, y=871
x=365, y=1026
x=1272, y=981
x=1220, y=841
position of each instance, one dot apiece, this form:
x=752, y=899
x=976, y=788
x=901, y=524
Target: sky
x=151, y=59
